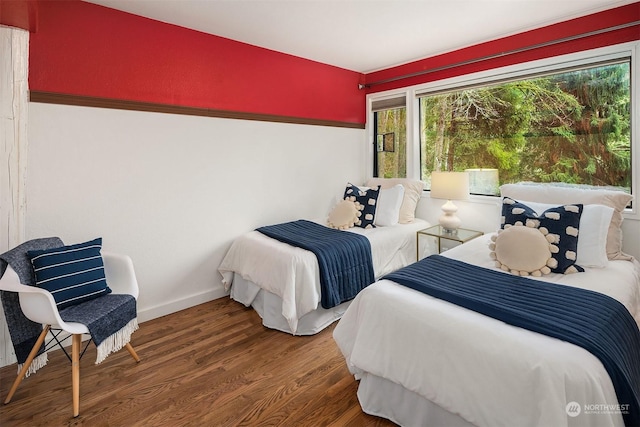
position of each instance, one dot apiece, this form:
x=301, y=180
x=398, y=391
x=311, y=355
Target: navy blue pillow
x=368, y=199
x=562, y=221
x=73, y=274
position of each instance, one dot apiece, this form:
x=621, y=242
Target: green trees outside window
x=572, y=127
x=391, y=143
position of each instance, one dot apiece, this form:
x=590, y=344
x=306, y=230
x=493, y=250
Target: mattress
x=287, y=279
x=474, y=369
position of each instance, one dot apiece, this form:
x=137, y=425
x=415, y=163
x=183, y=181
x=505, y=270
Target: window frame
x=625, y=50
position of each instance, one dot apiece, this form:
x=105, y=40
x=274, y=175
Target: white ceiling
x=362, y=35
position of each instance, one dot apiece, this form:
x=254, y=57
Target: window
x=568, y=125
x=390, y=138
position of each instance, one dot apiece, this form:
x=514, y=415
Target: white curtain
x=14, y=100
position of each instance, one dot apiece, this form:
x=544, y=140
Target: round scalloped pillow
x=344, y=215
x=523, y=250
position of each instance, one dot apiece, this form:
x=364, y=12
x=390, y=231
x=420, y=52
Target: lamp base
x=449, y=221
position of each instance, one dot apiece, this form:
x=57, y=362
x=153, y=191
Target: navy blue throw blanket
x=591, y=320
x=344, y=258
x=103, y=316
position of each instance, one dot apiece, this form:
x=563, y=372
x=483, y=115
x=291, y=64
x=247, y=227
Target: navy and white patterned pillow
x=73, y=274
x=368, y=200
x=561, y=222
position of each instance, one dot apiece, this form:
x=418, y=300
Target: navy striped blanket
x=593, y=321
x=344, y=258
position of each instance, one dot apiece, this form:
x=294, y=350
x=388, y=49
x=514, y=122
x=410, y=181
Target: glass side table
x=461, y=235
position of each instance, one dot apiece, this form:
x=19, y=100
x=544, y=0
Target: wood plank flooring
x=210, y=365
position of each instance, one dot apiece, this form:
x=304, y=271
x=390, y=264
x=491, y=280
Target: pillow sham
x=389, y=203
x=561, y=222
x=73, y=274
x=344, y=215
x=412, y=193
x=368, y=199
x=594, y=226
x=558, y=193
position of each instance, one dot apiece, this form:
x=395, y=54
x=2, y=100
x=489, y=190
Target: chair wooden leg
x=76, y=341
x=132, y=352
x=27, y=363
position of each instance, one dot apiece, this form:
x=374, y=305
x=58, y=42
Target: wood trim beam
x=120, y=104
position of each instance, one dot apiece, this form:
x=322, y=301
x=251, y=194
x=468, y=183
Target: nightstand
x=461, y=235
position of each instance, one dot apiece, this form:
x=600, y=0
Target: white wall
x=173, y=191
x=483, y=214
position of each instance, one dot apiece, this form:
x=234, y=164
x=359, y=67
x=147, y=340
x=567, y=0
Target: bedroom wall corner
x=174, y=191
x=14, y=48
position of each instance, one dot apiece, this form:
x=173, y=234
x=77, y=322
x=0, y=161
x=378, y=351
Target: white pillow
x=593, y=230
x=412, y=193
x=389, y=202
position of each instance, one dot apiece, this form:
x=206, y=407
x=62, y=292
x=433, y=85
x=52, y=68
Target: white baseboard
x=181, y=304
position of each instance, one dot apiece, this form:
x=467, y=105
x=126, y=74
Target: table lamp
x=449, y=186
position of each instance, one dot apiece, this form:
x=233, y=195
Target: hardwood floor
x=210, y=365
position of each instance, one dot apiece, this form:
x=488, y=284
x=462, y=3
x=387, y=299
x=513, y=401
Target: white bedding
x=292, y=273
x=478, y=369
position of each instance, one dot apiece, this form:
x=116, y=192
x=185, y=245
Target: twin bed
x=282, y=282
x=421, y=360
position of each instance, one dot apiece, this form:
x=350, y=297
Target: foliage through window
x=391, y=142
x=572, y=127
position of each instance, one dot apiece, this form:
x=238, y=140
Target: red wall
x=85, y=49
x=609, y=18
x=19, y=13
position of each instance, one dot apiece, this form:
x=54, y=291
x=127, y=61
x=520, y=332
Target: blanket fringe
x=116, y=341
x=38, y=362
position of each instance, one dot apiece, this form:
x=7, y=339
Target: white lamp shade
x=450, y=185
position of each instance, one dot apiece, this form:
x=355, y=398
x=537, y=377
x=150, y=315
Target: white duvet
x=292, y=273
x=485, y=371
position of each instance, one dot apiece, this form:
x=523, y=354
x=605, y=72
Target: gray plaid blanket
x=24, y=332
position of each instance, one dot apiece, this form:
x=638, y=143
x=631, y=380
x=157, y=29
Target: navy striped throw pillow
x=73, y=274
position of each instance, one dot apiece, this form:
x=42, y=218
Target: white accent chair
x=38, y=305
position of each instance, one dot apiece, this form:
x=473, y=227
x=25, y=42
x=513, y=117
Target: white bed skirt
x=386, y=399
x=269, y=307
